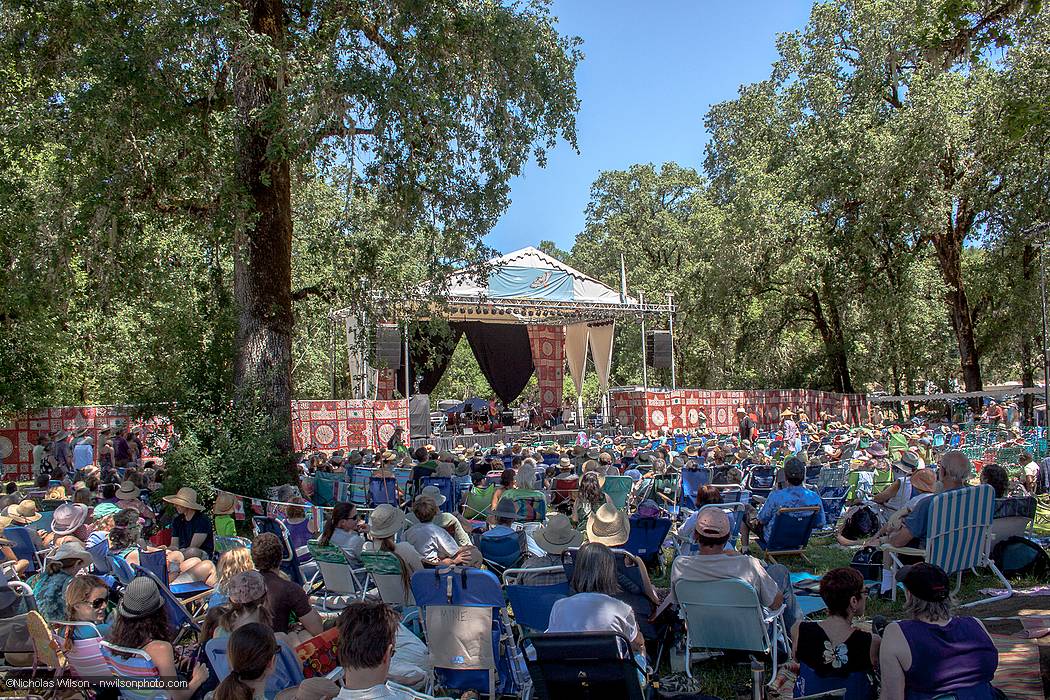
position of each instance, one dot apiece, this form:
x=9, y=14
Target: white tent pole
x=645, y=369
x=670, y=330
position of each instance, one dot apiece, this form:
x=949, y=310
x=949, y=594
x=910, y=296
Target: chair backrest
x=724, y=614
x=324, y=488
x=335, y=569
x=100, y=556
x=224, y=543
x=121, y=569
x=957, y=534
x=493, y=477
x=22, y=546
x=647, y=536
x=833, y=499
x=403, y=475
x=531, y=510
x=618, y=488
x=692, y=480
x=133, y=664
x=628, y=566
x=831, y=477
x=359, y=485
x=289, y=560
x=790, y=528
x=385, y=569
x=808, y=683
x=287, y=672
x=382, y=490
x=447, y=488
x=502, y=550
x=532, y=604
x=479, y=503
x=156, y=563
x=584, y=665
x=84, y=655
x=883, y=479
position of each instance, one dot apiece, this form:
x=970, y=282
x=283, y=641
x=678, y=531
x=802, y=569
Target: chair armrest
x=774, y=614
x=907, y=551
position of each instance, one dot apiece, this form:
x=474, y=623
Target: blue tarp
x=530, y=283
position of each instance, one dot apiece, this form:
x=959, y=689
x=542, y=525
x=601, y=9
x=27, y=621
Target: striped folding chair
x=958, y=536
x=133, y=665
x=359, y=485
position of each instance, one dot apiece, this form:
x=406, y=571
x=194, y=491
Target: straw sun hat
x=608, y=526
x=186, y=498
x=557, y=535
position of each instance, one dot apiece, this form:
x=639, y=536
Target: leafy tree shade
x=205, y=116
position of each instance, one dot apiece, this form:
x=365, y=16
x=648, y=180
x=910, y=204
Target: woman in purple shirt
x=934, y=653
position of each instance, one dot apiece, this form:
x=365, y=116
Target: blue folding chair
x=618, y=488
x=647, y=538
x=692, y=480
x=324, y=488
x=834, y=499
x=359, y=481
x=789, y=531
x=22, y=546
x=287, y=671
x=289, y=559
x=403, y=475
x=458, y=606
x=808, y=683
x=156, y=563
x=446, y=487
x=501, y=551
x=759, y=479
x=100, y=557
x=586, y=666
x=382, y=490
x=531, y=605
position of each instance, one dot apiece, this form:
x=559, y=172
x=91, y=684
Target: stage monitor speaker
x=388, y=347
x=468, y=431
x=508, y=418
x=419, y=415
x=658, y=349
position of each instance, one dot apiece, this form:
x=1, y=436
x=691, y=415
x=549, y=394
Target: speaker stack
x=658, y=349
x=388, y=347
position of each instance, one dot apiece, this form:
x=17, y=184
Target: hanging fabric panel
x=430, y=344
x=503, y=354
x=576, y=353
x=601, y=342
x=548, y=355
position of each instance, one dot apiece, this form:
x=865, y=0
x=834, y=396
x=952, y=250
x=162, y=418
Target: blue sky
x=650, y=72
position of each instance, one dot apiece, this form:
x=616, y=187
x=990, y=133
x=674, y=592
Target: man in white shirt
x=434, y=544
x=367, y=636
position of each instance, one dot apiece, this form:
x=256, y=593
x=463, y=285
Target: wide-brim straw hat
x=557, y=535
x=385, y=521
x=68, y=518
x=434, y=494
x=924, y=480
x=23, y=513
x=128, y=491
x=71, y=550
x=185, y=497
x=224, y=504
x=608, y=526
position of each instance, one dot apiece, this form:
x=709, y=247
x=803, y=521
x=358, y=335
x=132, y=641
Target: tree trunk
x=949, y=245
x=829, y=324
x=263, y=246
x=1027, y=365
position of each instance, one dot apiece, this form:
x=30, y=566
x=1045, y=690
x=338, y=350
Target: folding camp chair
x=647, y=538
x=224, y=544
x=833, y=499
x=563, y=491
x=586, y=666
x=882, y=479
x=287, y=671
x=385, y=569
x=1014, y=515
x=692, y=480
x=446, y=487
x=501, y=551
x=340, y=579
x=461, y=606
x=479, y=503
x=132, y=665
x=531, y=604
x=289, y=559
x=324, y=488
x=618, y=488
x=759, y=479
x=403, y=475
x=830, y=477
x=156, y=563
x=84, y=656
x=808, y=683
x=727, y=614
x=383, y=490
x=23, y=547
x=958, y=536
x=121, y=570
x=100, y=556
x=179, y=616
x=861, y=484
x=789, y=531
x=359, y=480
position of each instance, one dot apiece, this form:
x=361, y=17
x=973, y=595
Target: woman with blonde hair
x=87, y=599
x=231, y=563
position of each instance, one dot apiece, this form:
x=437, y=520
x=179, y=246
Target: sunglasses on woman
x=97, y=603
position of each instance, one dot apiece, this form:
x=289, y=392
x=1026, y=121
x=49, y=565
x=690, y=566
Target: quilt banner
x=548, y=355
x=650, y=411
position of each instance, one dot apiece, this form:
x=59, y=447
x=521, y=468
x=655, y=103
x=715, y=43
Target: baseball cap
x=795, y=468
x=925, y=581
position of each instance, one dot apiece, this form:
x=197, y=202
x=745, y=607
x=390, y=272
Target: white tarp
x=576, y=353
x=601, y=342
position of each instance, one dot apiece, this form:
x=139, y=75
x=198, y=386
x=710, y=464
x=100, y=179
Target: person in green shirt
x=223, y=512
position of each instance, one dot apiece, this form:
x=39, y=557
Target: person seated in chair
x=284, y=596
x=367, y=637
x=506, y=515
x=834, y=647
x=794, y=495
x=435, y=546
x=714, y=563
x=553, y=538
x=932, y=653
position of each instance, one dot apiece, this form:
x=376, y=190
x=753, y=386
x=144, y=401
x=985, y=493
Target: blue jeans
x=780, y=574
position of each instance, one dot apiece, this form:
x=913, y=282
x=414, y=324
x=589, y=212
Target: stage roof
x=528, y=286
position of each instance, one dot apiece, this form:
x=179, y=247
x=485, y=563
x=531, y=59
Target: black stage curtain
x=503, y=353
x=431, y=344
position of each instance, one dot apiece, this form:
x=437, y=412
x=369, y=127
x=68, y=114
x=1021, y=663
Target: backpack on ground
x=1018, y=556
x=861, y=523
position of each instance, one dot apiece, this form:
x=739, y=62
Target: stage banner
x=530, y=283
x=652, y=410
x=316, y=425
x=576, y=353
x=548, y=355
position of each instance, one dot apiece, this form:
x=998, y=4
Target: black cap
x=925, y=581
x=795, y=468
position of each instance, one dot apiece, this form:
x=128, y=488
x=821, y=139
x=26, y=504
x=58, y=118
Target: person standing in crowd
x=106, y=461
x=396, y=443
x=83, y=454
x=993, y=414
x=935, y=654
x=40, y=463
x=121, y=449
x=789, y=426
x=222, y=510
x=368, y=635
x=747, y=428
